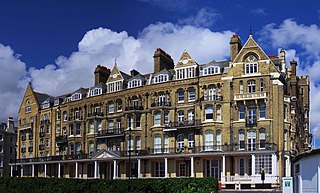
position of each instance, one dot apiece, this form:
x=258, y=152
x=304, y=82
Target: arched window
x=157, y=118
x=78, y=148
x=180, y=96
x=28, y=106
x=212, y=93
x=157, y=144
x=91, y=148
x=191, y=140
x=180, y=140
x=191, y=94
x=138, y=143
x=241, y=166
x=262, y=138
x=241, y=140
x=251, y=86
x=209, y=113
x=218, y=140
x=191, y=116
x=262, y=111
x=241, y=86
x=91, y=127
x=180, y=116
x=166, y=144
x=209, y=140
x=261, y=85
x=218, y=114
x=252, y=140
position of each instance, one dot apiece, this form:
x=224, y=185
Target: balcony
x=250, y=96
x=115, y=132
x=161, y=104
x=134, y=108
x=53, y=158
x=41, y=147
x=96, y=114
x=23, y=150
x=61, y=139
x=44, y=122
x=184, y=124
x=25, y=126
x=30, y=149
x=41, y=134
x=251, y=121
x=212, y=98
x=80, y=118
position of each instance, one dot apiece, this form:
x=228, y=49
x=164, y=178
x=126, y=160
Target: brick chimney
x=235, y=46
x=10, y=125
x=101, y=74
x=283, y=60
x=294, y=65
x=162, y=60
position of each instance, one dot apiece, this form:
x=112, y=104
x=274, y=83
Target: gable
x=185, y=60
x=115, y=74
x=105, y=154
x=29, y=98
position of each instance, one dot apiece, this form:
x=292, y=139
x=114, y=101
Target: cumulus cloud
x=12, y=82
x=305, y=39
x=102, y=46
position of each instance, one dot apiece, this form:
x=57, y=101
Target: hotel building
x=227, y=119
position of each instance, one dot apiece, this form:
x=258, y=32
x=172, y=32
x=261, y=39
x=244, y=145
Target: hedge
x=56, y=185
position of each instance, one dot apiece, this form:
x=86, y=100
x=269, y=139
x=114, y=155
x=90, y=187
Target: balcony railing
x=110, y=132
x=251, y=121
x=212, y=98
x=80, y=118
x=131, y=108
x=165, y=151
x=61, y=139
x=186, y=123
x=25, y=125
x=161, y=104
x=30, y=149
x=249, y=96
x=54, y=158
x=96, y=114
x=44, y=122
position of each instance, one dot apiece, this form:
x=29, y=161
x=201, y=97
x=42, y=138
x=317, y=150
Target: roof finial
x=250, y=30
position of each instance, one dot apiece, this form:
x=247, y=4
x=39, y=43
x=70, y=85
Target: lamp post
x=129, y=187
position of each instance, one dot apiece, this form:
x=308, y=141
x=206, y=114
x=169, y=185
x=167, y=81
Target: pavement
x=253, y=190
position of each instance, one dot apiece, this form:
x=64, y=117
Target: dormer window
x=210, y=70
x=183, y=73
x=114, y=86
x=251, y=68
x=45, y=105
x=56, y=102
x=161, y=78
x=134, y=83
x=28, y=107
x=96, y=91
x=76, y=96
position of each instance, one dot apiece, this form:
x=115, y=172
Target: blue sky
x=56, y=44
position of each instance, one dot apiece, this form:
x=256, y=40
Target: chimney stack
x=283, y=60
x=162, y=60
x=235, y=46
x=294, y=65
x=10, y=125
x=101, y=75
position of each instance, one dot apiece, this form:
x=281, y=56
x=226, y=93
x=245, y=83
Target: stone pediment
x=104, y=154
x=185, y=60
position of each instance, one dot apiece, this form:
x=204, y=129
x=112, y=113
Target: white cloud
x=305, y=39
x=102, y=46
x=12, y=82
x=204, y=18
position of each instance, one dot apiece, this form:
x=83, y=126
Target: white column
x=274, y=164
x=115, y=169
x=139, y=168
x=95, y=169
x=59, y=168
x=192, y=167
x=76, y=169
x=11, y=170
x=21, y=171
x=45, y=170
x=32, y=170
x=253, y=164
x=223, y=169
x=165, y=167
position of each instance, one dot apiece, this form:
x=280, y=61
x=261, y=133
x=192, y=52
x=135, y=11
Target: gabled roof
x=41, y=97
x=163, y=71
x=116, y=74
x=138, y=76
x=250, y=46
x=103, y=154
x=185, y=60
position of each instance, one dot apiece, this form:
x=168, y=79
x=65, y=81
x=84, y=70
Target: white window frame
x=157, y=118
x=251, y=68
x=208, y=140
